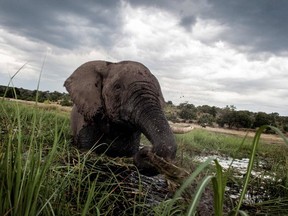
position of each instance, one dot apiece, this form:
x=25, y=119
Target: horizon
x=166, y=101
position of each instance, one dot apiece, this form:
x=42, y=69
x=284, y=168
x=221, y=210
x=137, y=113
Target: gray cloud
x=260, y=25
x=188, y=21
x=255, y=26
x=65, y=24
x=197, y=49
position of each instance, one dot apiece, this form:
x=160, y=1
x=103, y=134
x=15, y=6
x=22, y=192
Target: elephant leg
x=87, y=137
x=125, y=145
x=116, y=145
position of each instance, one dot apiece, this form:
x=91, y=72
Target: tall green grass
x=219, y=179
x=26, y=156
x=41, y=174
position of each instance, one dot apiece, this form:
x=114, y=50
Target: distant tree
x=27, y=95
x=169, y=103
x=187, y=111
x=242, y=119
x=207, y=109
x=206, y=119
x=213, y=111
x=204, y=109
x=285, y=124
x=275, y=118
x=225, y=117
x=232, y=107
x=55, y=96
x=2, y=91
x=66, y=102
x=10, y=92
x=42, y=96
x=263, y=118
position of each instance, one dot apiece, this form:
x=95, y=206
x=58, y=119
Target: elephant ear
x=85, y=86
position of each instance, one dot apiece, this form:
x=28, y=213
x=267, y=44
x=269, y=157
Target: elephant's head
x=128, y=94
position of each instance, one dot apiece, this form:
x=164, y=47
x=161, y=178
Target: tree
x=206, y=119
x=169, y=103
x=285, y=123
x=187, y=111
x=207, y=109
x=66, y=102
x=225, y=117
x=10, y=92
x=261, y=119
x=242, y=119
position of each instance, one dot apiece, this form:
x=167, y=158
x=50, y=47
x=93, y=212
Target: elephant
x=114, y=103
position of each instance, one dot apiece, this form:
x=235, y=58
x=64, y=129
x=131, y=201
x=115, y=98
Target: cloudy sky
x=213, y=52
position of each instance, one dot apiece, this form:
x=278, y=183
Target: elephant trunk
x=155, y=127
x=144, y=111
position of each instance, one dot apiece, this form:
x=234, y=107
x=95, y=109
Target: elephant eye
x=117, y=86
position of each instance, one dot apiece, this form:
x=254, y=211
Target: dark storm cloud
x=188, y=21
x=64, y=24
x=256, y=26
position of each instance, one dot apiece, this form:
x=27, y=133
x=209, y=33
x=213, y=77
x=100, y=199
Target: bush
x=187, y=111
x=66, y=102
x=205, y=120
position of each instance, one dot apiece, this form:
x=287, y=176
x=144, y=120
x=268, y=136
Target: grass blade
x=197, y=196
x=219, y=183
x=252, y=158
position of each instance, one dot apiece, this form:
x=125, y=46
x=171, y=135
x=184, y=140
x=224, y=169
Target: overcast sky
x=213, y=52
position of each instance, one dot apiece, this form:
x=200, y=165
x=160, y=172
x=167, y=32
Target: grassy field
x=42, y=174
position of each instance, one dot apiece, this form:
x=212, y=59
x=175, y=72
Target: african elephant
x=113, y=104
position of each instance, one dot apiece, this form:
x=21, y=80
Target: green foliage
x=41, y=175
x=252, y=159
x=171, y=111
x=66, y=102
x=187, y=111
x=28, y=149
x=262, y=118
x=219, y=184
x=186, y=184
x=201, y=141
x=42, y=96
x=206, y=120
x=219, y=181
x=238, y=119
x=208, y=110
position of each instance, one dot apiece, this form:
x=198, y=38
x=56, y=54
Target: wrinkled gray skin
x=113, y=104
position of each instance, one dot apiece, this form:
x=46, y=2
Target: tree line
x=204, y=115
x=34, y=95
x=227, y=117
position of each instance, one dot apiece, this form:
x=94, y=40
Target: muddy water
x=239, y=167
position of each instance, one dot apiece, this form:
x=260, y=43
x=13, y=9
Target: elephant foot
x=141, y=160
